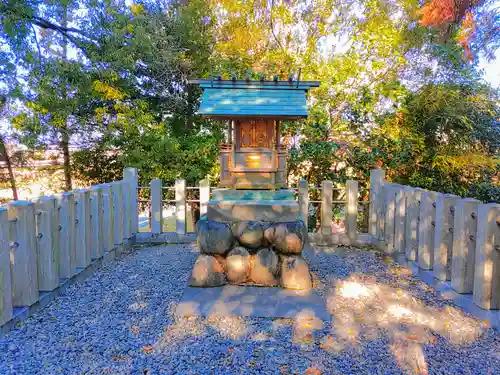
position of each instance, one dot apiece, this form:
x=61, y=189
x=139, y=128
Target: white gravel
x=120, y=321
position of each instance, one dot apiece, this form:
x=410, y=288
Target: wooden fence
x=51, y=240
x=349, y=204
x=458, y=239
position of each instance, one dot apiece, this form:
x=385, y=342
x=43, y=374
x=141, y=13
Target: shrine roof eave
x=249, y=84
x=250, y=117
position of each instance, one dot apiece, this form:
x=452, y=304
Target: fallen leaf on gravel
x=359, y=316
x=118, y=358
x=134, y=330
x=147, y=349
x=313, y=371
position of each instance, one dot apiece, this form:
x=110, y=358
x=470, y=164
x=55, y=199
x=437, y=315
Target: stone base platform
x=252, y=195
x=254, y=237
x=251, y=302
x=253, y=210
x=256, y=252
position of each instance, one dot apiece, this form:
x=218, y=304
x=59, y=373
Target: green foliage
x=485, y=192
x=392, y=95
x=97, y=165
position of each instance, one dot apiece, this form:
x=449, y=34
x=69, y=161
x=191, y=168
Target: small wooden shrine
x=253, y=157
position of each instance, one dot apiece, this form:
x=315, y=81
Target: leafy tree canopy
x=398, y=88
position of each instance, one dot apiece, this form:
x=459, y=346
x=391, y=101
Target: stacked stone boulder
x=251, y=253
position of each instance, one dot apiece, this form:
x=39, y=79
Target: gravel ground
x=120, y=321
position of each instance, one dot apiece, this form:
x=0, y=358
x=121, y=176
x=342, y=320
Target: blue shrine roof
x=254, y=98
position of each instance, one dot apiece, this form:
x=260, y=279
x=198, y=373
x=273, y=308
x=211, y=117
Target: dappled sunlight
x=261, y=336
x=305, y=326
x=138, y=306
x=230, y=326
x=409, y=356
x=281, y=323
x=354, y=290
x=364, y=308
x=182, y=328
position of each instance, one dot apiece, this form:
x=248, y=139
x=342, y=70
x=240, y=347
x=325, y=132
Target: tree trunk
x=195, y=214
x=68, y=186
x=12, y=178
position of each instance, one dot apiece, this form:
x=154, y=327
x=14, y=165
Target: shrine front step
x=253, y=210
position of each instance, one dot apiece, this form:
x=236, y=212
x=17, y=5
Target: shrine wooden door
x=254, y=134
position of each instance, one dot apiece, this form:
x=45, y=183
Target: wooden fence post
x=389, y=222
x=180, y=206
x=24, y=270
x=117, y=191
x=326, y=209
x=413, y=197
x=303, y=197
x=351, y=209
x=426, y=231
x=6, y=312
x=82, y=231
x=464, y=244
x=377, y=178
x=131, y=176
x=156, y=207
x=107, y=214
x=204, y=196
x=443, y=236
x=97, y=222
x=126, y=217
x=487, y=268
x=67, y=235
x=399, y=219
x=47, y=243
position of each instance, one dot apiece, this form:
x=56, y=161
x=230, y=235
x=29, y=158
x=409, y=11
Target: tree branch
x=43, y=23
x=39, y=50
x=271, y=24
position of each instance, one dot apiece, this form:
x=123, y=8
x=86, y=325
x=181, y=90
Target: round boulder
x=287, y=238
x=274, y=231
x=265, y=229
x=238, y=265
x=222, y=261
x=201, y=221
x=248, y=233
x=265, y=268
x=214, y=237
x=295, y=273
x=207, y=272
